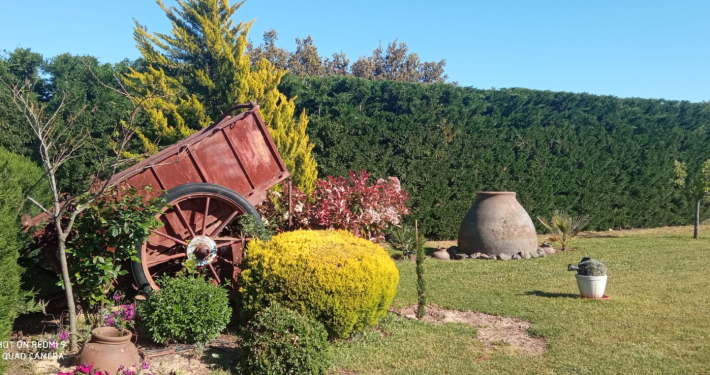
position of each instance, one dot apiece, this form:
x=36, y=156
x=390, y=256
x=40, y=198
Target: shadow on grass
x=429, y=250
x=598, y=235
x=540, y=293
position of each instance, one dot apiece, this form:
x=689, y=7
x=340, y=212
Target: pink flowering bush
x=52, y=344
x=120, y=316
x=87, y=369
x=352, y=203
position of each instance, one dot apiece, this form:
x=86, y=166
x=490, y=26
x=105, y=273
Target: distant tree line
x=395, y=63
x=606, y=157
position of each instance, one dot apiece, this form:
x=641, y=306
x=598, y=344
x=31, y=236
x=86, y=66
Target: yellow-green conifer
x=201, y=69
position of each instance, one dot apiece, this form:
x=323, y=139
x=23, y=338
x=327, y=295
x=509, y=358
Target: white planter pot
x=591, y=286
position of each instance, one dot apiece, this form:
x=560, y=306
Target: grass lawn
x=657, y=321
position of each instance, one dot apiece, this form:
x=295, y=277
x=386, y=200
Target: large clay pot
x=497, y=224
x=109, y=349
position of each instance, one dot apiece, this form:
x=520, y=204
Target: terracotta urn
x=441, y=254
x=109, y=349
x=497, y=224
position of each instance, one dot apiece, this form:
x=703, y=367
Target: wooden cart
x=212, y=178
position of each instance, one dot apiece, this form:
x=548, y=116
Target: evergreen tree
x=201, y=69
x=394, y=64
x=698, y=186
x=19, y=177
x=305, y=61
x=278, y=57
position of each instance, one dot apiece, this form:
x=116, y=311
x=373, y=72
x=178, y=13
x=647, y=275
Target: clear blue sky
x=640, y=48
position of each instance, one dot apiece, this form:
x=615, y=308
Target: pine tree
x=201, y=69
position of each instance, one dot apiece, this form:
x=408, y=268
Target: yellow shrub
x=345, y=282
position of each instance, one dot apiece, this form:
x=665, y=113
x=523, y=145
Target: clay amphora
x=497, y=224
x=108, y=350
x=441, y=254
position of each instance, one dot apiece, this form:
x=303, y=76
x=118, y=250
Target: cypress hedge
x=602, y=156
x=18, y=177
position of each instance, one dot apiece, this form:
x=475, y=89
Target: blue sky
x=649, y=49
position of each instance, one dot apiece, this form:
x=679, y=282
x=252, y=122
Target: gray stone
x=475, y=255
x=541, y=253
x=504, y=256
x=526, y=255
x=460, y=256
x=515, y=257
x=534, y=254
x=549, y=250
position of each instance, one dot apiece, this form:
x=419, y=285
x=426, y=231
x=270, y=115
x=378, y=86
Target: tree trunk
x=69, y=292
x=697, y=218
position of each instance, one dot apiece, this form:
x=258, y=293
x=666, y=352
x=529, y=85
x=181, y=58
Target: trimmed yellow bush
x=345, y=282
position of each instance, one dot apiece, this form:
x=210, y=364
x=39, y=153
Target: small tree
x=58, y=138
x=563, y=227
x=698, y=185
x=421, y=286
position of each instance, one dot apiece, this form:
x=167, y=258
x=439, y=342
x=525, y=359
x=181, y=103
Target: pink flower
x=64, y=335
x=86, y=369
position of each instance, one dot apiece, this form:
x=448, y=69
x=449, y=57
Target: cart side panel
x=178, y=170
x=216, y=160
x=255, y=153
x=145, y=178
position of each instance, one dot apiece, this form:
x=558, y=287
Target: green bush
x=345, y=282
x=18, y=178
x=186, y=309
x=282, y=341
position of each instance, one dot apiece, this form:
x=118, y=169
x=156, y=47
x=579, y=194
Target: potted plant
x=591, y=277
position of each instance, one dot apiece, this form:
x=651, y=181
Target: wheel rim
x=186, y=234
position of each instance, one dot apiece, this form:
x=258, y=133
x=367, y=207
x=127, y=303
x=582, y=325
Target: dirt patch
x=165, y=360
x=496, y=332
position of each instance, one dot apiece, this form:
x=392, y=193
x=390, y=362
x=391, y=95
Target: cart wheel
x=198, y=224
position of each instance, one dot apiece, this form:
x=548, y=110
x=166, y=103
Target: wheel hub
x=202, y=250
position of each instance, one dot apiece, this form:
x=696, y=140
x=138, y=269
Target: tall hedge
x=603, y=156
x=18, y=177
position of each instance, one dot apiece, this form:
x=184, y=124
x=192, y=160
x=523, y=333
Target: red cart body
x=211, y=178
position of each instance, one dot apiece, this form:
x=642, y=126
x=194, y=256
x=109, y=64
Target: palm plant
x=404, y=239
x=563, y=227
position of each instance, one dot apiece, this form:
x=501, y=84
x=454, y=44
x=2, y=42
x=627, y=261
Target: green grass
x=657, y=321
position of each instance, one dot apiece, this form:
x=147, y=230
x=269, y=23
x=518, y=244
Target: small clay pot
x=441, y=254
x=109, y=349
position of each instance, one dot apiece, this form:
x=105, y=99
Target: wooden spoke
x=214, y=273
x=155, y=261
x=227, y=241
x=224, y=224
x=204, y=218
x=182, y=217
x=175, y=239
